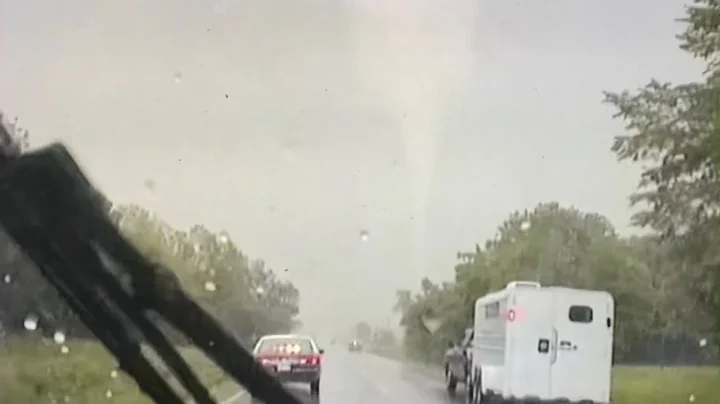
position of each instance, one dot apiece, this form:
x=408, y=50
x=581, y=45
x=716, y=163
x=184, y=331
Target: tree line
x=665, y=282
x=378, y=337
x=245, y=294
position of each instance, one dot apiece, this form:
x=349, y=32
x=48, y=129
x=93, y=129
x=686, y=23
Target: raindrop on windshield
x=7, y=278
x=31, y=322
x=703, y=342
x=364, y=235
x=59, y=337
x=113, y=374
x=150, y=185
x=178, y=77
x=64, y=349
x=210, y=286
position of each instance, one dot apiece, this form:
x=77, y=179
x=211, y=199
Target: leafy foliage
x=383, y=338
x=244, y=294
x=555, y=246
x=666, y=282
x=673, y=133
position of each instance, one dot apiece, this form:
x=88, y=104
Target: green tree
x=245, y=295
x=383, y=338
x=14, y=139
x=555, y=246
x=672, y=131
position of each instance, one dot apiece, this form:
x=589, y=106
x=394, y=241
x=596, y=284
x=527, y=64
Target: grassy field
x=645, y=384
x=670, y=385
x=44, y=372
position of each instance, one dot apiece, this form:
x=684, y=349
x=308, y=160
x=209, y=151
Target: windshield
x=455, y=201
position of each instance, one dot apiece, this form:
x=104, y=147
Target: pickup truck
x=457, y=361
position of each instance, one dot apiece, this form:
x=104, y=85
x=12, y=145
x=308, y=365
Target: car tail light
x=265, y=360
x=310, y=360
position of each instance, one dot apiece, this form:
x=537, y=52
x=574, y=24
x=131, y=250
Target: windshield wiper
x=54, y=214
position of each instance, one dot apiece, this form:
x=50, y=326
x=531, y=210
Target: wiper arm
x=52, y=212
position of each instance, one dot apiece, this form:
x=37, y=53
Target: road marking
x=233, y=398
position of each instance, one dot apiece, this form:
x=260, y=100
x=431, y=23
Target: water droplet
x=525, y=225
x=259, y=290
x=59, y=337
x=210, y=286
x=64, y=349
x=178, y=77
x=691, y=398
x=31, y=322
x=150, y=185
x=364, y=235
x=703, y=342
x=109, y=394
x=7, y=278
x=113, y=374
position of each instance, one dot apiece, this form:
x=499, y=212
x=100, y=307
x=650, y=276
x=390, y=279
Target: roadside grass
x=41, y=371
x=633, y=384
x=668, y=385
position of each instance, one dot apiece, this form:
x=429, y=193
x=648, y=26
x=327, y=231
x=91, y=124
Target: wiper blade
x=53, y=213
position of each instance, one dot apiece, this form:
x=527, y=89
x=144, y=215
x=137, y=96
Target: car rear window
x=285, y=346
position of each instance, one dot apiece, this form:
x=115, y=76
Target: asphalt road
x=360, y=378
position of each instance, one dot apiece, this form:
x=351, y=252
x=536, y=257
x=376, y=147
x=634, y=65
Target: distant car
x=355, y=346
x=291, y=358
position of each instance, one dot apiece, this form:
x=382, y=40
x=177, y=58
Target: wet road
x=359, y=378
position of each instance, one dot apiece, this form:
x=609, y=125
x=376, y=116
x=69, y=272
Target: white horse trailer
x=535, y=343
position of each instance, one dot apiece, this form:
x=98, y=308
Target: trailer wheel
x=470, y=389
x=450, y=381
x=473, y=386
x=479, y=396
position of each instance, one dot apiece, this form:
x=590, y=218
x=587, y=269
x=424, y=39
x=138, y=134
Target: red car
x=291, y=358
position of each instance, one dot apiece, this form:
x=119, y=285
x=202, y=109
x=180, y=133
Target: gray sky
x=297, y=125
